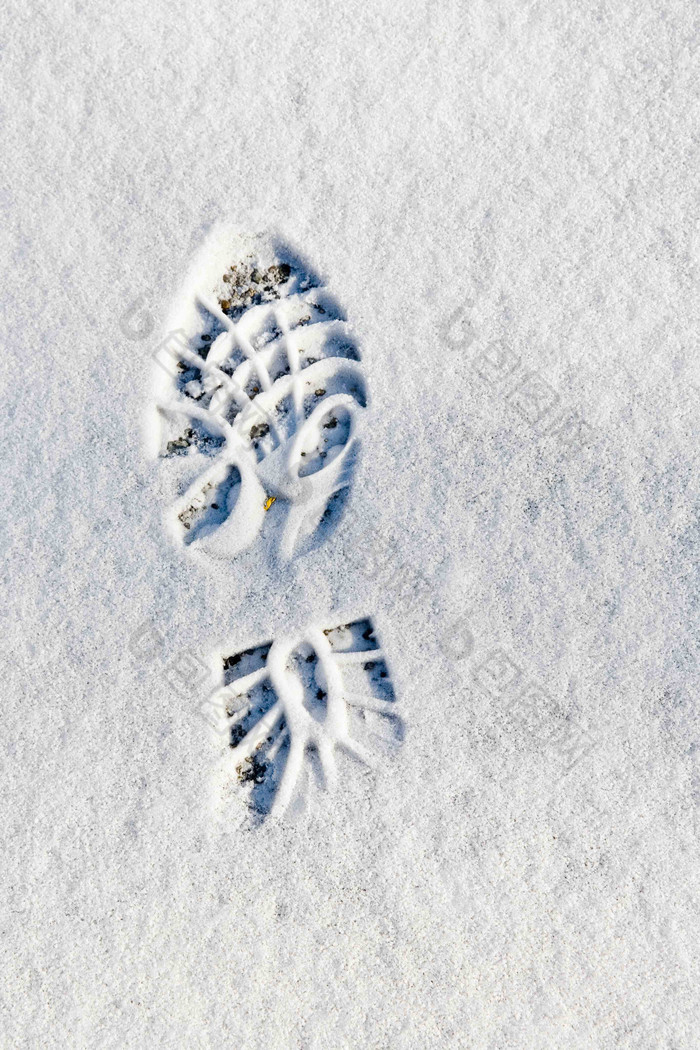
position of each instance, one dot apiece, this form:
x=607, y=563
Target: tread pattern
x=314, y=693
x=257, y=392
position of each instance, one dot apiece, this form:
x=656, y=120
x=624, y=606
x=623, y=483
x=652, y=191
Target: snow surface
x=491, y=190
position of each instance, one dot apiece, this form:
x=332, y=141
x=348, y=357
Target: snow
x=502, y=199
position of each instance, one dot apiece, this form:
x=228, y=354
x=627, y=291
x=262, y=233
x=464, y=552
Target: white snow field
x=398, y=745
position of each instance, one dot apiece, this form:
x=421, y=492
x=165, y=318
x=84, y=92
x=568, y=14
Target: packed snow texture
x=503, y=197
x=257, y=384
